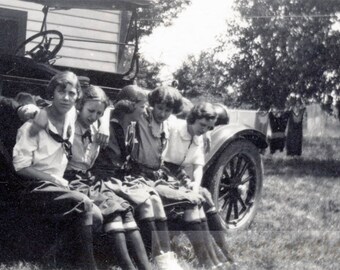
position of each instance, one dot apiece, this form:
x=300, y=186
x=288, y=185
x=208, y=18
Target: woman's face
x=161, y=112
x=201, y=126
x=64, y=98
x=139, y=109
x=92, y=110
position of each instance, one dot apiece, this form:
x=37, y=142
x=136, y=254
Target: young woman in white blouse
x=184, y=157
x=40, y=158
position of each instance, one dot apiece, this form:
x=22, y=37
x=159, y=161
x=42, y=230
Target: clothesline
x=292, y=16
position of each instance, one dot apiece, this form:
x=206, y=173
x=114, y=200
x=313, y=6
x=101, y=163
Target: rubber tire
x=248, y=149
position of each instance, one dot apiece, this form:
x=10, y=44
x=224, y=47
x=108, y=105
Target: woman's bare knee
x=192, y=214
x=158, y=206
x=97, y=218
x=145, y=210
x=202, y=213
x=114, y=226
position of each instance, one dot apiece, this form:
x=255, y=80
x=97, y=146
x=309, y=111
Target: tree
x=148, y=75
x=284, y=46
x=162, y=13
x=202, y=75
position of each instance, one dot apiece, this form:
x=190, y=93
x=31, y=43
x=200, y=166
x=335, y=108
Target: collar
x=156, y=129
x=69, y=125
x=80, y=130
x=185, y=135
x=67, y=130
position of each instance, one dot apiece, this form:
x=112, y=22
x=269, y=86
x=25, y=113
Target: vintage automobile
x=108, y=57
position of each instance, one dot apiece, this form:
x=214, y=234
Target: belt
x=151, y=173
x=72, y=175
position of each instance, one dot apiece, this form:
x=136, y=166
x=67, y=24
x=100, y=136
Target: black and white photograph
x=169, y=134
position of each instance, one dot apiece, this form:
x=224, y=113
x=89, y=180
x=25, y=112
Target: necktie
x=66, y=144
x=87, y=135
x=120, y=136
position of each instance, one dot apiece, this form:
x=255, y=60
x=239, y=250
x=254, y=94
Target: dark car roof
x=25, y=67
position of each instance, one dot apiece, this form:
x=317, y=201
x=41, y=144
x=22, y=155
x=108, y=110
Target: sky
x=194, y=30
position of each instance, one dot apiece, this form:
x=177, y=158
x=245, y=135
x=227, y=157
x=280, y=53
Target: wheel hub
x=236, y=195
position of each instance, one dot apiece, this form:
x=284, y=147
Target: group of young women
x=121, y=191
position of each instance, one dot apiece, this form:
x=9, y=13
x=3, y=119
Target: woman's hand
x=32, y=173
x=195, y=187
x=102, y=139
x=40, y=122
x=59, y=181
x=27, y=112
x=103, y=135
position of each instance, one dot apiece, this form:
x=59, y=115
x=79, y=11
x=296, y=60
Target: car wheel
x=236, y=183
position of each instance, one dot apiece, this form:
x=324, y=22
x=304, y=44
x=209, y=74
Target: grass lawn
x=297, y=225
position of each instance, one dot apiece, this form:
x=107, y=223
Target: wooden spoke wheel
x=236, y=183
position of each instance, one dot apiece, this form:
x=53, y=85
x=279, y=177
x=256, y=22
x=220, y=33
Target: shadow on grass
x=302, y=167
x=320, y=158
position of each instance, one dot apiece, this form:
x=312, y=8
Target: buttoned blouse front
x=41, y=151
x=152, y=140
x=85, y=151
x=183, y=149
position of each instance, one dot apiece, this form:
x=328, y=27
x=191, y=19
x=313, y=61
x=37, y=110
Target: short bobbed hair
x=63, y=79
x=132, y=93
x=204, y=110
x=186, y=108
x=168, y=96
x=127, y=99
x=24, y=98
x=93, y=92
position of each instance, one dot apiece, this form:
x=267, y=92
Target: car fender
x=223, y=135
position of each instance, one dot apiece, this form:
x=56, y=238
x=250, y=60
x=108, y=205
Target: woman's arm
x=27, y=112
x=197, y=175
x=9, y=103
x=23, y=156
x=103, y=135
x=32, y=173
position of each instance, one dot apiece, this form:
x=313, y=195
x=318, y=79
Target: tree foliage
x=201, y=76
x=147, y=76
x=284, y=46
x=149, y=18
x=162, y=13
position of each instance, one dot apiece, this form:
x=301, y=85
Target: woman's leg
x=164, y=258
x=98, y=219
x=135, y=242
x=158, y=207
x=148, y=229
x=161, y=223
x=193, y=229
x=163, y=234
x=215, y=224
x=116, y=237
x=217, y=230
x=76, y=250
x=73, y=213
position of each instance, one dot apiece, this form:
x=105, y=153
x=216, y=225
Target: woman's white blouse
x=84, y=152
x=42, y=152
x=182, y=148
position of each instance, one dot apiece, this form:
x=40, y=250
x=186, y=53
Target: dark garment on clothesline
x=278, y=123
x=295, y=133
